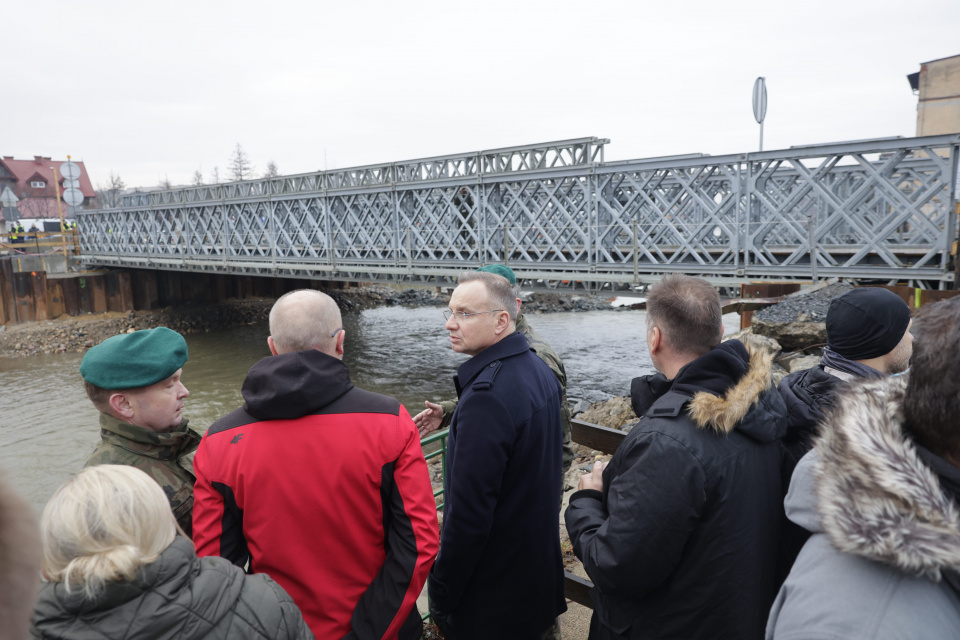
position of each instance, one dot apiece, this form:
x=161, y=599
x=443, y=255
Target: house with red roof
x=34, y=184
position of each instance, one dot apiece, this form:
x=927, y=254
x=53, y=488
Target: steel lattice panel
x=877, y=209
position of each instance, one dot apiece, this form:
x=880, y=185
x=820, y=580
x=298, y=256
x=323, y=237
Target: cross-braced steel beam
x=562, y=217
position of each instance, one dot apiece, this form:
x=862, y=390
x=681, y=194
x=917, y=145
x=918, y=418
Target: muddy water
x=48, y=427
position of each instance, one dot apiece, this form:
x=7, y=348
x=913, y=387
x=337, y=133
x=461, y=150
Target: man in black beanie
x=868, y=336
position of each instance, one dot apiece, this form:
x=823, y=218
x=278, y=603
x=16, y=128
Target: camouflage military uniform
x=546, y=353
x=165, y=457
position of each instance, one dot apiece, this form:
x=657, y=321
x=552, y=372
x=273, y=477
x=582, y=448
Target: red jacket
x=324, y=487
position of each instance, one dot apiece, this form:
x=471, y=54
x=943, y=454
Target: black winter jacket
x=681, y=542
x=807, y=394
x=177, y=596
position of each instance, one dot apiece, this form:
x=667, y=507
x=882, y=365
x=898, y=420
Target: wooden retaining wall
x=37, y=295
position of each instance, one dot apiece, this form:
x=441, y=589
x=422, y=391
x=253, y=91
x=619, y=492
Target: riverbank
x=76, y=334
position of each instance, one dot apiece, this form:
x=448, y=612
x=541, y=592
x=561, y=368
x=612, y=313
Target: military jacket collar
x=512, y=345
x=143, y=441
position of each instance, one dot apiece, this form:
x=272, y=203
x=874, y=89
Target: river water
x=48, y=426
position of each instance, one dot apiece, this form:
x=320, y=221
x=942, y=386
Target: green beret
x=501, y=270
x=134, y=360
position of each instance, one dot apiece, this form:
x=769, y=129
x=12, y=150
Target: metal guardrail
x=557, y=213
x=440, y=437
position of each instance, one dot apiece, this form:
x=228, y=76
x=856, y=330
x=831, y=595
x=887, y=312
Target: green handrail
x=440, y=437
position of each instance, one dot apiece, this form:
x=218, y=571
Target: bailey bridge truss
x=882, y=210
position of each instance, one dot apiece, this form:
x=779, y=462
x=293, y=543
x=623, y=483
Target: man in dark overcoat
x=499, y=573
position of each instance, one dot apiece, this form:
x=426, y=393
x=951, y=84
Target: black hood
x=291, y=385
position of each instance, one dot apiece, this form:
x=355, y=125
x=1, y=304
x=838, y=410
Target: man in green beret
x=436, y=414
x=133, y=379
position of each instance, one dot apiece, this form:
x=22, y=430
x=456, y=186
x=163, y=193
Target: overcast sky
x=158, y=90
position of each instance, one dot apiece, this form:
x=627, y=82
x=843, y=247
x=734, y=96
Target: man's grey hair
x=502, y=294
x=687, y=311
x=304, y=319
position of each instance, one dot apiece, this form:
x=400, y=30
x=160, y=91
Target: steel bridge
x=560, y=216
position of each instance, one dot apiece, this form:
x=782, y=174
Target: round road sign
x=760, y=99
x=73, y=197
x=70, y=170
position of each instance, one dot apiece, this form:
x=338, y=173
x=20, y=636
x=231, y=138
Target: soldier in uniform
x=437, y=414
x=134, y=381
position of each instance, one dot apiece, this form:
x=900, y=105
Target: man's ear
x=341, y=336
x=503, y=322
x=273, y=347
x=120, y=405
x=654, y=340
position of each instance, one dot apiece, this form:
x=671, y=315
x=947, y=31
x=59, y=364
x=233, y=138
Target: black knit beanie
x=866, y=323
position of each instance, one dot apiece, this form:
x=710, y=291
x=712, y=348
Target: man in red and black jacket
x=319, y=484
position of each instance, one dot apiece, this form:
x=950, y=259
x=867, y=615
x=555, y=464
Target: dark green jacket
x=165, y=457
x=546, y=353
x=176, y=596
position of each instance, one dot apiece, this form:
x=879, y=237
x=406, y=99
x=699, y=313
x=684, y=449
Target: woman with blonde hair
x=116, y=568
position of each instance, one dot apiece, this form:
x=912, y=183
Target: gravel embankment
x=814, y=305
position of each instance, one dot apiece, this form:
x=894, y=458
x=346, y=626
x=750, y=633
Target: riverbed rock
x=792, y=336
x=613, y=413
x=761, y=343
x=554, y=302
x=803, y=363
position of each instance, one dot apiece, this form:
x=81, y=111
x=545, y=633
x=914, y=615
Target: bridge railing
x=880, y=209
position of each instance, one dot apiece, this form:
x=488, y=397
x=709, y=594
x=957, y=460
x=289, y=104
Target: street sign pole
x=71, y=193
x=760, y=104
x=56, y=184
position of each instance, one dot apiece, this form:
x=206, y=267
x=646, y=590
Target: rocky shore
x=79, y=333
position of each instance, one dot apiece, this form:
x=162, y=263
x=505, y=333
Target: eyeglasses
x=461, y=316
x=334, y=334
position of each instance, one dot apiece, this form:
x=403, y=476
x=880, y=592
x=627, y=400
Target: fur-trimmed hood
x=875, y=496
x=725, y=411
x=724, y=386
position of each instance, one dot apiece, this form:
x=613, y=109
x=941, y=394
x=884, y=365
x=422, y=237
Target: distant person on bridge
x=868, y=337
x=436, y=414
x=679, y=530
x=320, y=484
x=133, y=379
x=499, y=573
x=15, y=234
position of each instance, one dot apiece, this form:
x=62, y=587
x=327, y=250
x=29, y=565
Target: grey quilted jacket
x=177, y=596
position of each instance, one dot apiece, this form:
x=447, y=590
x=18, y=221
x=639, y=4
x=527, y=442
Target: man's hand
x=441, y=621
x=594, y=479
x=429, y=419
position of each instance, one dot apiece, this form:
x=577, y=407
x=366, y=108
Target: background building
x=32, y=182
x=938, y=84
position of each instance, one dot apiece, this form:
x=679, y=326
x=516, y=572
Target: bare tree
x=198, y=178
x=240, y=166
x=271, y=171
x=215, y=176
x=111, y=193
x=165, y=184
